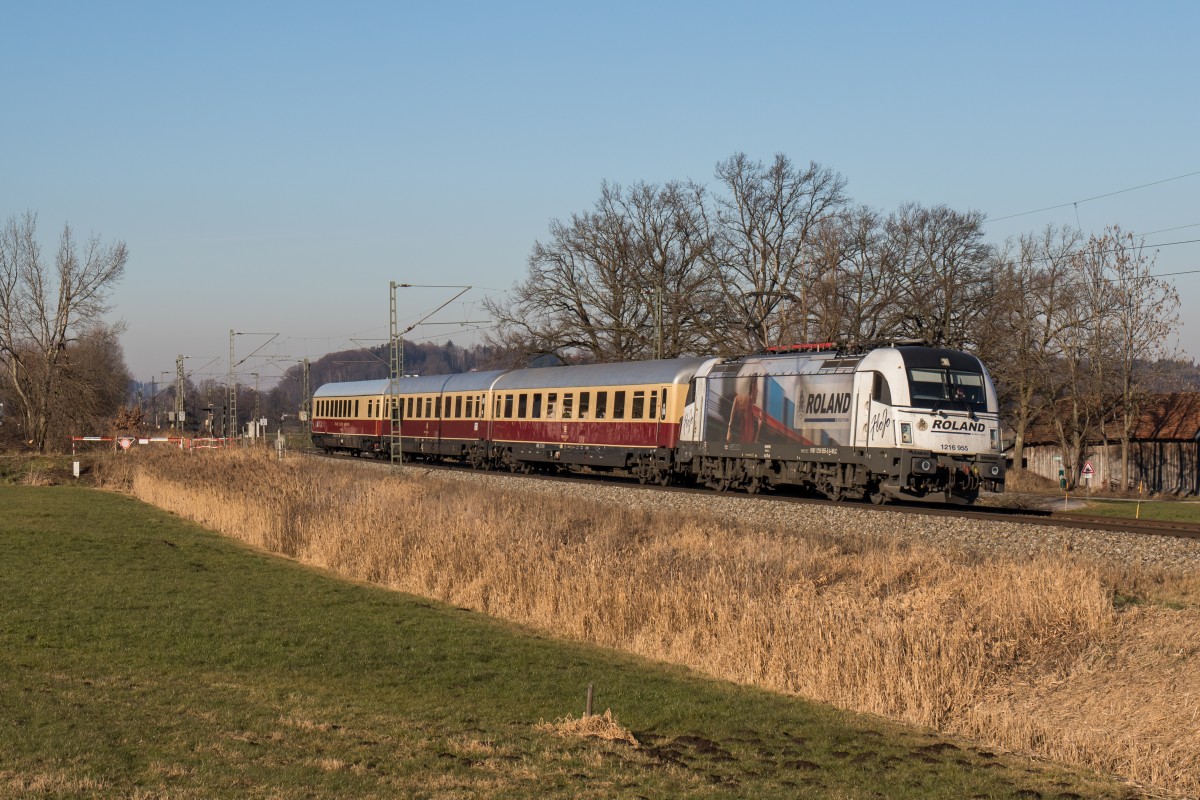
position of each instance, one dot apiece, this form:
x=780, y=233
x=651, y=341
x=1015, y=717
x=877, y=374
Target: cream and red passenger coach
x=886, y=422
x=607, y=416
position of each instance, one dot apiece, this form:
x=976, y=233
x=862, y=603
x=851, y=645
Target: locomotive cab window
x=881, y=392
x=945, y=388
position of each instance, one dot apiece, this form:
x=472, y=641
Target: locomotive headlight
x=994, y=471
x=906, y=433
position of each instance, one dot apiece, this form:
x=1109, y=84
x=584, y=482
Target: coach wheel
x=876, y=497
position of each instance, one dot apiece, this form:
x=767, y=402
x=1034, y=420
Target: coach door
x=658, y=410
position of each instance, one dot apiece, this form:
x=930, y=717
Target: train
x=894, y=422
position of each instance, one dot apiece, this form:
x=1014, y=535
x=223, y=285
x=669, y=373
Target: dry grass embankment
x=1028, y=655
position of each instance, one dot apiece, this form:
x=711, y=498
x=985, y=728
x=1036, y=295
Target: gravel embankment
x=973, y=536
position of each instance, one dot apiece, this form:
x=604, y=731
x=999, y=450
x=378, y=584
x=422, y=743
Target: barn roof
x=1173, y=416
x=1170, y=416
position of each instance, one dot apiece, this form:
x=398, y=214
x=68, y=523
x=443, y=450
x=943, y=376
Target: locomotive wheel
x=664, y=477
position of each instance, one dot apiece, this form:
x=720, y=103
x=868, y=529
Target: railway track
x=1044, y=517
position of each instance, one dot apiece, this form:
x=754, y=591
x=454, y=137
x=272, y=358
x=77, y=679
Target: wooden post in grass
x=588, y=711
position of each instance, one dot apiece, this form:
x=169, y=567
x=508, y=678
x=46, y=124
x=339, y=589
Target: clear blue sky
x=272, y=166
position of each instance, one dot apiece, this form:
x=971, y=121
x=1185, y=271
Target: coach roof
x=421, y=384
x=352, y=388
x=675, y=370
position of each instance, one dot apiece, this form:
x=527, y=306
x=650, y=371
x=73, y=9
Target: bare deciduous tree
x=855, y=298
x=595, y=289
x=764, y=231
x=943, y=263
x=1022, y=329
x=1141, y=313
x=43, y=309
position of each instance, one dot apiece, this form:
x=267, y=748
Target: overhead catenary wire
x=1095, y=197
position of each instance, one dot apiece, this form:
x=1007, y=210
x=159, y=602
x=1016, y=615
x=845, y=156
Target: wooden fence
x=1157, y=467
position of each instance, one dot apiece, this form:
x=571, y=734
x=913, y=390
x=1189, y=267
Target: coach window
x=356, y=407
x=429, y=407
x=568, y=405
x=639, y=406
x=458, y=407
x=601, y=404
x=653, y=405
x=551, y=404
x=508, y=406
x=522, y=405
x=537, y=405
x=437, y=407
x=585, y=404
x=618, y=405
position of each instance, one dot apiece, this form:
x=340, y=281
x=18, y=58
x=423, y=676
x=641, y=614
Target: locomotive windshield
x=947, y=388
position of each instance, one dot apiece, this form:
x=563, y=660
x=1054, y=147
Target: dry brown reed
x=1026, y=655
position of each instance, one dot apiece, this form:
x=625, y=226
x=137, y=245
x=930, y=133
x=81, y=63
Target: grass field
x=1161, y=510
x=144, y=657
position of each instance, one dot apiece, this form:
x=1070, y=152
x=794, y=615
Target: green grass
x=141, y=656
x=1159, y=510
